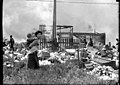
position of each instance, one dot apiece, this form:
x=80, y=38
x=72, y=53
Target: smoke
x=111, y=35
x=102, y=18
x=21, y=17
x=41, y=10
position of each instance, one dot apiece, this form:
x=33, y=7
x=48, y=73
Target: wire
x=87, y=2
x=80, y=2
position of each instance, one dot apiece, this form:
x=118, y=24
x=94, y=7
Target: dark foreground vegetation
x=67, y=73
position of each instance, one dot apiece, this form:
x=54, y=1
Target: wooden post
x=54, y=20
x=54, y=40
x=109, y=44
x=78, y=57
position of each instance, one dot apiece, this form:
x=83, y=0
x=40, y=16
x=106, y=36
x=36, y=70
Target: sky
x=21, y=17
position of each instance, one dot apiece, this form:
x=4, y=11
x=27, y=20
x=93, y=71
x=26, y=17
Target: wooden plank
x=43, y=43
x=101, y=60
x=66, y=43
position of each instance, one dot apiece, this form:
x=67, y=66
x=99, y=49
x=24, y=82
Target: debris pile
x=50, y=58
x=104, y=72
x=107, y=52
x=10, y=58
x=107, y=68
x=45, y=56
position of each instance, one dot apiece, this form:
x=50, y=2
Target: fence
x=62, y=43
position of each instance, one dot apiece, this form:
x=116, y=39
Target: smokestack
x=54, y=20
x=42, y=28
x=54, y=40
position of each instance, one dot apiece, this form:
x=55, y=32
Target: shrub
x=67, y=73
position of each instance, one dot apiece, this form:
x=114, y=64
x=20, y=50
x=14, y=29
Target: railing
x=64, y=42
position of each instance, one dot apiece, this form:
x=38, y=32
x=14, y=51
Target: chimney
x=42, y=28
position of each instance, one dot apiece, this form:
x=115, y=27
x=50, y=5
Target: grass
x=67, y=73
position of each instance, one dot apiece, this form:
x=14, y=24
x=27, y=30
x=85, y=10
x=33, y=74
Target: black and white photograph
x=60, y=42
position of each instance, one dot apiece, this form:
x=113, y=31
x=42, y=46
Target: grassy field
x=67, y=73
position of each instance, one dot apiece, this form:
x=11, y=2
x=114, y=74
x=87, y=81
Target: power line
x=80, y=2
x=87, y=2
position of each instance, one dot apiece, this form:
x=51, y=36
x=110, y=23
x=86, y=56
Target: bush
x=7, y=71
x=67, y=73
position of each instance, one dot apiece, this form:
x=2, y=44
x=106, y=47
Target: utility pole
x=54, y=40
x=54, y=20
x=94, y=31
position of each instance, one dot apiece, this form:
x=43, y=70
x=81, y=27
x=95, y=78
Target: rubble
x=8, y=64
x=72, y=51
x=44, y=62
x=86, y=54
x=104, y=72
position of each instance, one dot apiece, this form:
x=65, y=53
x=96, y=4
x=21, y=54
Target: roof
x=77, y=33
x=63, y=27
